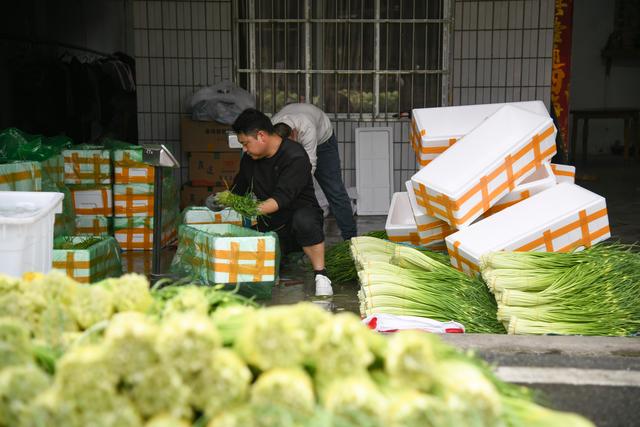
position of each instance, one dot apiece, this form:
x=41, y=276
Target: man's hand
x=213, y=204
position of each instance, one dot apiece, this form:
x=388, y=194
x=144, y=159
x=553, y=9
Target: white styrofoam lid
x=446, y=122
x=521, y=219
x=463, y=164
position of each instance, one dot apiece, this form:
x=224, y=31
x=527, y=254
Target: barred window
x=352, y=58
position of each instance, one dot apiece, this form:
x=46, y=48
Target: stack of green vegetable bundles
x=125, y=356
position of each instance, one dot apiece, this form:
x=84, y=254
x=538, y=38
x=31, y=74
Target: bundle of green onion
x=340, y=264
x=400, y=280
x=246, y=205
x=592, y=292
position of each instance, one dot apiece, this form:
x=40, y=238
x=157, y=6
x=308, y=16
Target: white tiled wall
x=180, y=47
x=502, y=51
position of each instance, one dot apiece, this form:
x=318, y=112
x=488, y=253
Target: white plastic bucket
x=26, y=230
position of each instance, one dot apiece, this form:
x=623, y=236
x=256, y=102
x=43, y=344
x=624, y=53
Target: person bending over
x=311, y=127
x=278, y=171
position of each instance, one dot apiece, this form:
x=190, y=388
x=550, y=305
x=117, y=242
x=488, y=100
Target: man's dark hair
x=250, y=121
x=282, y=129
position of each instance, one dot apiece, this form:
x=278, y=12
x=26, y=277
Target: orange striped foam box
x=564, y=173
x=542, y=179
x=486, y=164
x=92, y=225
x=133, y=200
x=224, y=253
x=141, y=174
x=400, y=225
x=136, y=233
x=563, y=218
x=433, y=130
x=203, y=215
x=431, y=230
x=92, y=201
x=90, y=165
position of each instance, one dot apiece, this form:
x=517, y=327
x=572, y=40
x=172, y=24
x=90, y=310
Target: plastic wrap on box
x=21, y=176
x=98, y=261
x=564, y=173
x=136, y=233
x=92, y=200
x=228, y=254
x=138, y=199
x=431, y=230
x=563, y=218
x=470, y=177
x=433, y=130
x=400, y=225
x=93, y=225
x=137, y=262
x=53, y=171
x=538, y=181
x=203, y=215
x=87, y=164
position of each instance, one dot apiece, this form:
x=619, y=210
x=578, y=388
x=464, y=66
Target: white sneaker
x=323, y=286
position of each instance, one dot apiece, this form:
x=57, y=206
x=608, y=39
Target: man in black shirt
x=278, y=172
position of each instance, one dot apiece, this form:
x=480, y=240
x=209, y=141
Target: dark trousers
x=305, y=228
x=329, y=176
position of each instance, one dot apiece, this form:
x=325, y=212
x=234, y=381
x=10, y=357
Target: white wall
x=590, y=86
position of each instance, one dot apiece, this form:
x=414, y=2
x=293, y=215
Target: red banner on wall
x=561, y=71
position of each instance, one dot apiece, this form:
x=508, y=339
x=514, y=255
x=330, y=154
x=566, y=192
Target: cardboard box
x=433, y=130
x=213, y=169
x=204, y=136
x=195, y=196
x=471, y=176
x=560, y=219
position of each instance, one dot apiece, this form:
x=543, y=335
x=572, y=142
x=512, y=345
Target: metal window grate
x=502, y=51
x=355, y=59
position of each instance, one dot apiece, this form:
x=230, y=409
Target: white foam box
x=433, y=130
x=564, y=173
x=560, y=219
x=485, y=165
x=542, y=179
x=400, y=225
x=431, y=230
x=203, y=215
x=92, y=201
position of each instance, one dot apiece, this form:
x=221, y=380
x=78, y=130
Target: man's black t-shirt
x=285, y=177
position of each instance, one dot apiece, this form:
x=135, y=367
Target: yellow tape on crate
x=136, y=233
x=542, y=179
x=564, y=173
x=431, y=230
x=433, y=130
x=87, y=166
x=559, y=219
x=471, y=176
x=21, y=176
x=224, y=253
x=203, y=215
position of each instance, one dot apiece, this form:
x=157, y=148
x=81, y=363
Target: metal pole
x=157, y=222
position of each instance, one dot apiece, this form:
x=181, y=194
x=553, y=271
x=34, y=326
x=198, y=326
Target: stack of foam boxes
x=486, y=184
x=87, y=173
x=133, y=195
